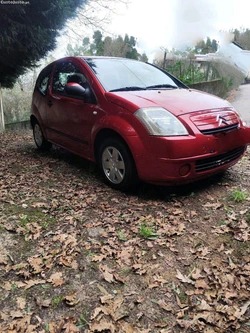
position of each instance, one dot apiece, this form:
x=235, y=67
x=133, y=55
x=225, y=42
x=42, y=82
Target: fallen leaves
x=223, y=298
x=73, y=256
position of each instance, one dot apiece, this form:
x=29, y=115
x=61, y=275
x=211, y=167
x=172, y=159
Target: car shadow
x=63, y=159
x=168, y=193
x=84, y=168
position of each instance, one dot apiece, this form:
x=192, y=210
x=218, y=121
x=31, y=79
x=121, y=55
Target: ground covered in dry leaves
x=77, y=256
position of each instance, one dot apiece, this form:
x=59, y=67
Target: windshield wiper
x=158, y=86
x=132, y=88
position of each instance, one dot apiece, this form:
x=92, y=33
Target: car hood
x=177, y=101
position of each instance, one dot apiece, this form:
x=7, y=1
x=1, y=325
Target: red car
x=135, y=120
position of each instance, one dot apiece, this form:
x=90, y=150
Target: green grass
x=238, y=196
x=56, y=300
x=146, y=231
x=82, y=320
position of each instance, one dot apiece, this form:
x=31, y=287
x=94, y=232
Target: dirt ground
x=77, y=256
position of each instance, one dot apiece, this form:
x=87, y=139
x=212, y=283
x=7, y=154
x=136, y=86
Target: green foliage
x=107, y=46
x=17, y=101
x=186, y=70
x=56, y=300
x=242, y=37
x=79, y=50
x=147, y=231
x=28, y=32
x=208, y=46
x=228, y=82
x=97, y=47
x=82, y=320
x=238, y=196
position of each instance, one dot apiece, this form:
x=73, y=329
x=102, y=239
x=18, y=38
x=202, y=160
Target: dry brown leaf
x=7, y=286
x=118, y=278
x=216, y=205
x=139, y=269
x=56, y=279
x=197, y=274
x=43, y=303
x=96, y=312
x=184, y=278
x=32, y=283
x=21, y=302
x=70, y=327
x=240, y=312
x=71, y=300
x=102, y=326
x=20, y=284
x=128, y=328
x=165, y=306
x=37, y=264
x=106, y=273
x=16, y=314
x=40, y=205
x=204, y=306
x=126, y=253
x=204, y=251
x=3, y=259
x=201, y=284
x=99, y=257
x=181, y=305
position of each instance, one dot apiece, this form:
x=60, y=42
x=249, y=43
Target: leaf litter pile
x=77, y=256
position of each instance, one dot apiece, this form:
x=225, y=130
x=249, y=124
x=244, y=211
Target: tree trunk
x=2, y=124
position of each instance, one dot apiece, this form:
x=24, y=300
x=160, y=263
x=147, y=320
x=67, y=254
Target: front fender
x=126, y=126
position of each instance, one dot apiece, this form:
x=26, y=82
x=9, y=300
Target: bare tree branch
x=95, y=15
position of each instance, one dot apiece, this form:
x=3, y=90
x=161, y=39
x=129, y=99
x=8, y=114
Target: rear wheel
x=39, y=139
x=117, y=164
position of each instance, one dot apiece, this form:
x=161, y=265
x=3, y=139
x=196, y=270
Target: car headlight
x=159, y=121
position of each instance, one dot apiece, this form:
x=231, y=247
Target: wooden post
x=2, y=124
x=164, y=59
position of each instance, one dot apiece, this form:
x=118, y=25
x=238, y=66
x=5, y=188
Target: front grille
x=218, y=160
x=220, y=130
x=215, y=121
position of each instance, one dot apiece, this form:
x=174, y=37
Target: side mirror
x=74, y=89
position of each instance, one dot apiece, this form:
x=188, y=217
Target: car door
x=71, y=118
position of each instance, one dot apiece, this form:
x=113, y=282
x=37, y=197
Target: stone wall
x=216, y=87
x=22, y=125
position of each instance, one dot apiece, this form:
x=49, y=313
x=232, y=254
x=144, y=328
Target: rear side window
x=42, y=82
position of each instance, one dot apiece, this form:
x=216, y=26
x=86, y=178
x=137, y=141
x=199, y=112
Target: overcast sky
x=176, y=23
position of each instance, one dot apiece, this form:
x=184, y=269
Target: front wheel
x=39, y=139
x=117, y=164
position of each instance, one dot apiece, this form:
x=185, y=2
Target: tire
x=39, y=139
x=117, y=164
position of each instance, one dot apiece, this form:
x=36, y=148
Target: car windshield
x=127, y=75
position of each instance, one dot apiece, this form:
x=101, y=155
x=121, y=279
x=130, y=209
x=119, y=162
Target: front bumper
x=180, y=160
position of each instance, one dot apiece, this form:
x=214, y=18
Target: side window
x=43, y=80
x=44, y=85
x=64, y=73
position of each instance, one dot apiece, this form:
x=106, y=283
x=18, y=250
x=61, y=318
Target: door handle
x=49, y=103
